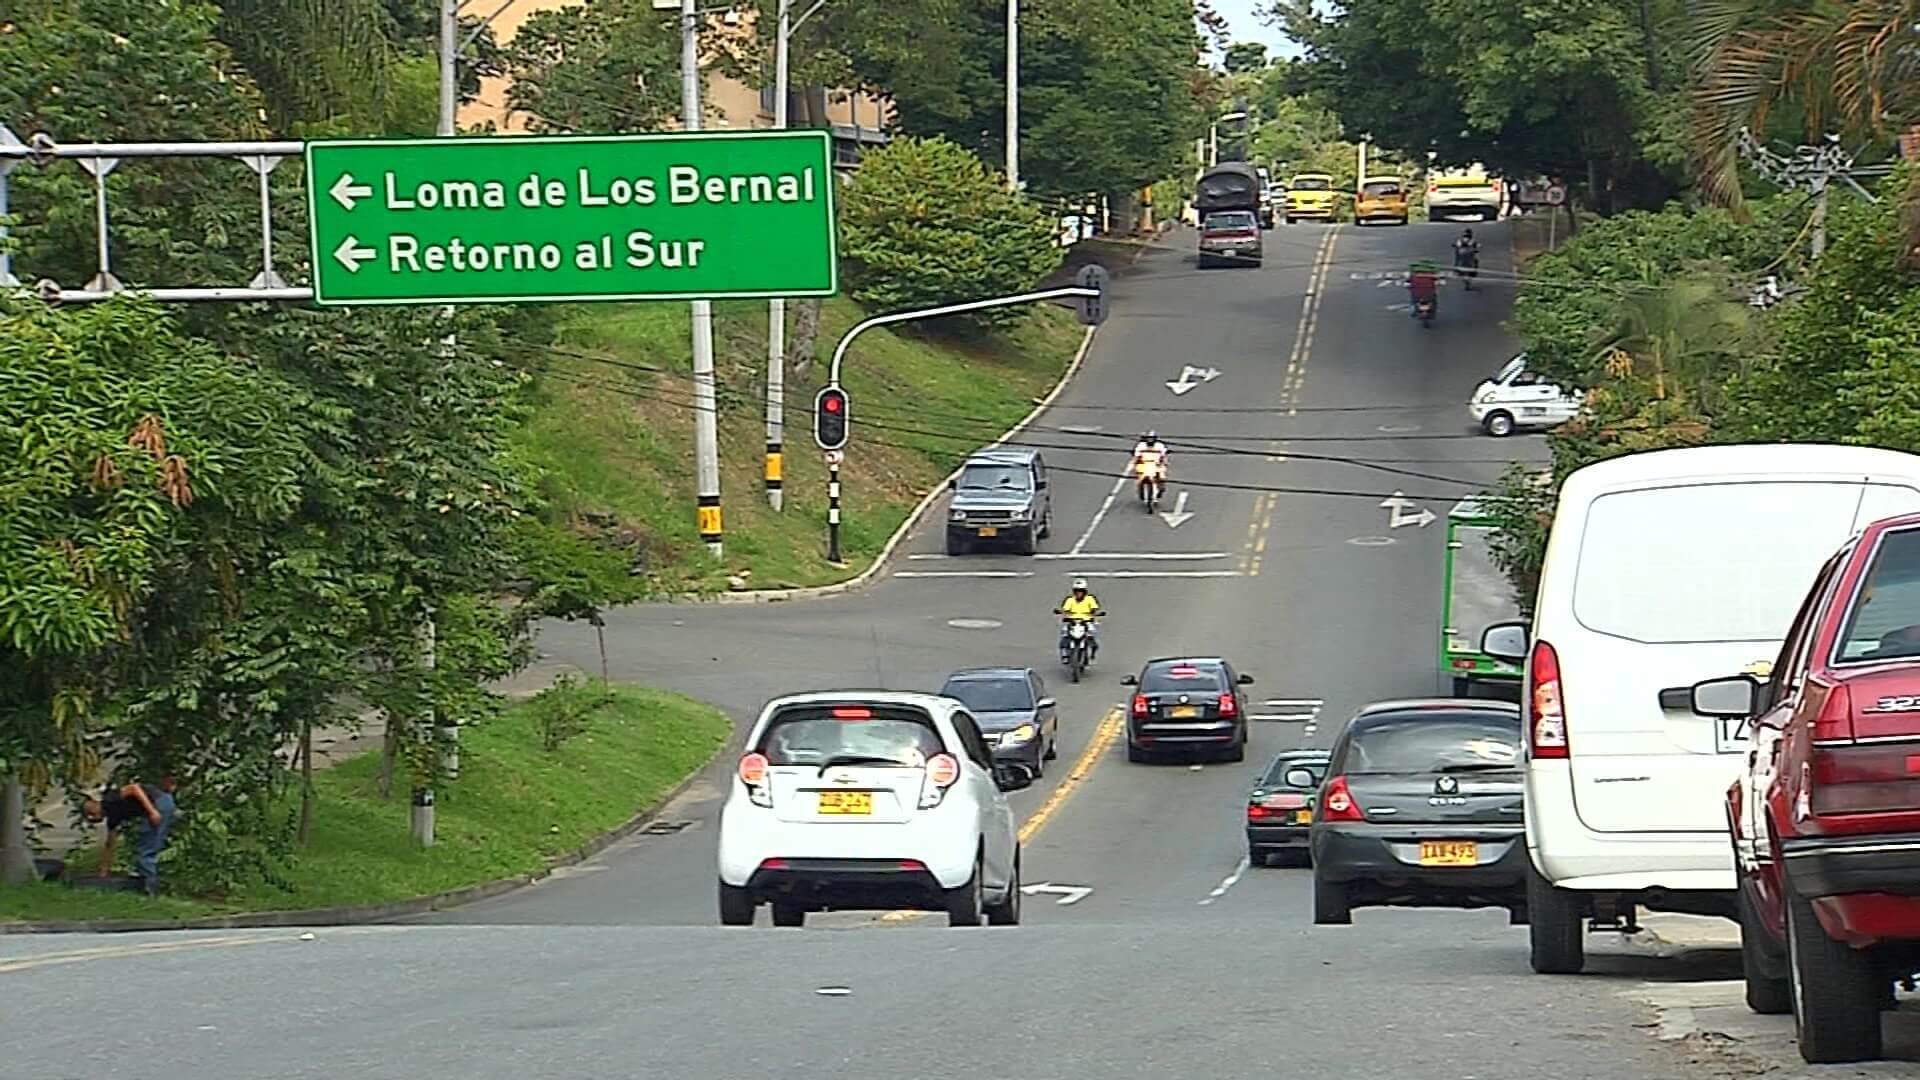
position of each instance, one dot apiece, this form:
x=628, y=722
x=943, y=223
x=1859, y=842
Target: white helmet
x=1079, y=584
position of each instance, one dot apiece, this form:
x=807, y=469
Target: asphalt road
x=1181, y=961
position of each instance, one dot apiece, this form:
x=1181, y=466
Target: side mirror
x=1505, y=641
x=953, y=484
x=1012, y=776
x=1300, y=778
x=1130, y=680
x=1244, y=680
x=1733, y=696
x=1044, y=703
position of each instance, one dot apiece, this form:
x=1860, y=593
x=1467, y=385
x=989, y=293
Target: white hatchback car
x=1516, y=398
x=874, y=800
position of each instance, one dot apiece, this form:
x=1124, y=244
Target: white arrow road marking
x=1398, y=515
x=345, y=191
x=351, y=254
x=1188, y=373
x=1180, y=515
x=1069, y=894
x=1228, y=882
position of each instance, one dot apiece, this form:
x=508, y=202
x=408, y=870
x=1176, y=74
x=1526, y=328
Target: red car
x=1826, y=819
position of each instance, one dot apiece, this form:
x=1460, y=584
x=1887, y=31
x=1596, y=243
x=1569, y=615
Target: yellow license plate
x=1181, y=712
x=1449, y=853
x=989, y=531
x=846, y=802
x=1302, y=817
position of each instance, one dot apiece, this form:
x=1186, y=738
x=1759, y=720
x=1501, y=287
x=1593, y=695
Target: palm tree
x=1688, y=333
x=314, y=60
x=1846, y=65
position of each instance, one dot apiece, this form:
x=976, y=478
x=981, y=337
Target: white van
x=1663, y=568
x=1516, y=398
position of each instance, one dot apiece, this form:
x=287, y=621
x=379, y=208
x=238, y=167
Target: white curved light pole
x=1013, y=95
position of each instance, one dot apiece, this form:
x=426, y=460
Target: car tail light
x=1140, y=706
x=1835, y=718
x=773, y=864
x=850, y=714
x=942, y=771
x=1547, y=732
x=753, y=773
x=1228, y=706
x=912, y=864
x=1876, y=778
x=1255, y=812
x=1339, y=804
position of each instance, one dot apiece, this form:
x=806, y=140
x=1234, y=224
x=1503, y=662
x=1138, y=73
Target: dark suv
x=1187, y=704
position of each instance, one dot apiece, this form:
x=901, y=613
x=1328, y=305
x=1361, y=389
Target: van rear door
x=1676, y=583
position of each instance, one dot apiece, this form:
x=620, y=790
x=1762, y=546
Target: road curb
x=392, y=910
x=865, y=577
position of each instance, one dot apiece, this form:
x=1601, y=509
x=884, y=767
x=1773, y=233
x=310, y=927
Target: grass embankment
x=515, y=805
x=619, y=439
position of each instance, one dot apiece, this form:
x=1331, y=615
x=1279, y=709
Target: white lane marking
x=1069, y=894
x=1293, y=717
x=964, y=573
x=1151, y=556
x=1100, y=514
x=1154, y=573
x=1229, y=881
x=1284, y=702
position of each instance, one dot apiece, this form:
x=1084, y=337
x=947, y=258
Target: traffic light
x=1092, y=309
x=831, y=409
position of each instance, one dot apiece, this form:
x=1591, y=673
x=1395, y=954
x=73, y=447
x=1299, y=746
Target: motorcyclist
x=1150, y=456
x=1423, y=285
x=1466, y=255
x=1080, y=606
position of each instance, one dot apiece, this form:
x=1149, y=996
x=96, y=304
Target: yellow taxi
x=1381, y=198
x=1310, y=195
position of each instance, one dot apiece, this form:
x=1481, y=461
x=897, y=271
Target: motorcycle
x=1423, y=309
x=1079, y=634
x=1152, y=484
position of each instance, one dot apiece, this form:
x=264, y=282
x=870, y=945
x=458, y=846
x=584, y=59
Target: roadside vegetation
x=543, y=778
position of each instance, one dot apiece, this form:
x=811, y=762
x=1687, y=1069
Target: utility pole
x=1363, y=161
x=777, y=307
x=706, y=437
x=1813, y=169
x=1013, y=95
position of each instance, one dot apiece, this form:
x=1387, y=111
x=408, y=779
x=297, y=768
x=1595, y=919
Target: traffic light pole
x=1092, y=293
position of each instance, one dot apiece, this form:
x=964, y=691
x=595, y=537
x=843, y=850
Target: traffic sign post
x=488, y=220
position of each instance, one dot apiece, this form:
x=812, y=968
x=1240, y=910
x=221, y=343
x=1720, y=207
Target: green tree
x=601, y=66
x=124, y=440
x=925, y=224
x=1244, y=56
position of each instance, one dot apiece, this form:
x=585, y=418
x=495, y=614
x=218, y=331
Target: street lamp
x=1013, y=95
x=777, y=307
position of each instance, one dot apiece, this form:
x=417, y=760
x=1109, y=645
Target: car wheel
x=1007, y=911
x=1331, y=904
x=1238, y=753
x=1769, y=990
x=1498, y=424
x=955, y=545
x=1135, y=754
x=1039, y=763
x=1046, y=525
x=1836, y=991
x=965, y=903
x=1025, y=543
x=1555, y=923
x=789, y=914
x=1462, y=686
x=1053, y=748
x=736, y=906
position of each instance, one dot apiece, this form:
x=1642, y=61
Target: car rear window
x=814, y=734
x=991, y=695
x=1183, y=678
x=1712, y=562
x=1440, y=741
x=1232, y=219
x=1277, y=775
x=1380, y=189
x=1884, y=623
x=1312, y=183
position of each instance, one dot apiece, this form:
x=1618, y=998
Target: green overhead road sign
x=692, y=215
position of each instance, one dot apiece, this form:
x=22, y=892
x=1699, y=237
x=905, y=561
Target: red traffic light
x=831, y=403
x=831, y=411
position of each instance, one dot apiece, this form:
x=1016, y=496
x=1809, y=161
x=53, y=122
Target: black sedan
x=1280, y=807
x=1013, y=710
x=1187, y=704
x=1422, y=808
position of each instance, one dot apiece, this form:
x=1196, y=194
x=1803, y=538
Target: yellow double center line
x=1103, y=738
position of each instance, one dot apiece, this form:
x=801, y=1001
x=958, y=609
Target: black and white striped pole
x=834, y=457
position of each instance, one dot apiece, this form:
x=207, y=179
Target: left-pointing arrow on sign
x=345, y=191
x=351, y=254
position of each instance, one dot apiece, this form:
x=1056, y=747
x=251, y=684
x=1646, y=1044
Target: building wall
x=726, y=103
